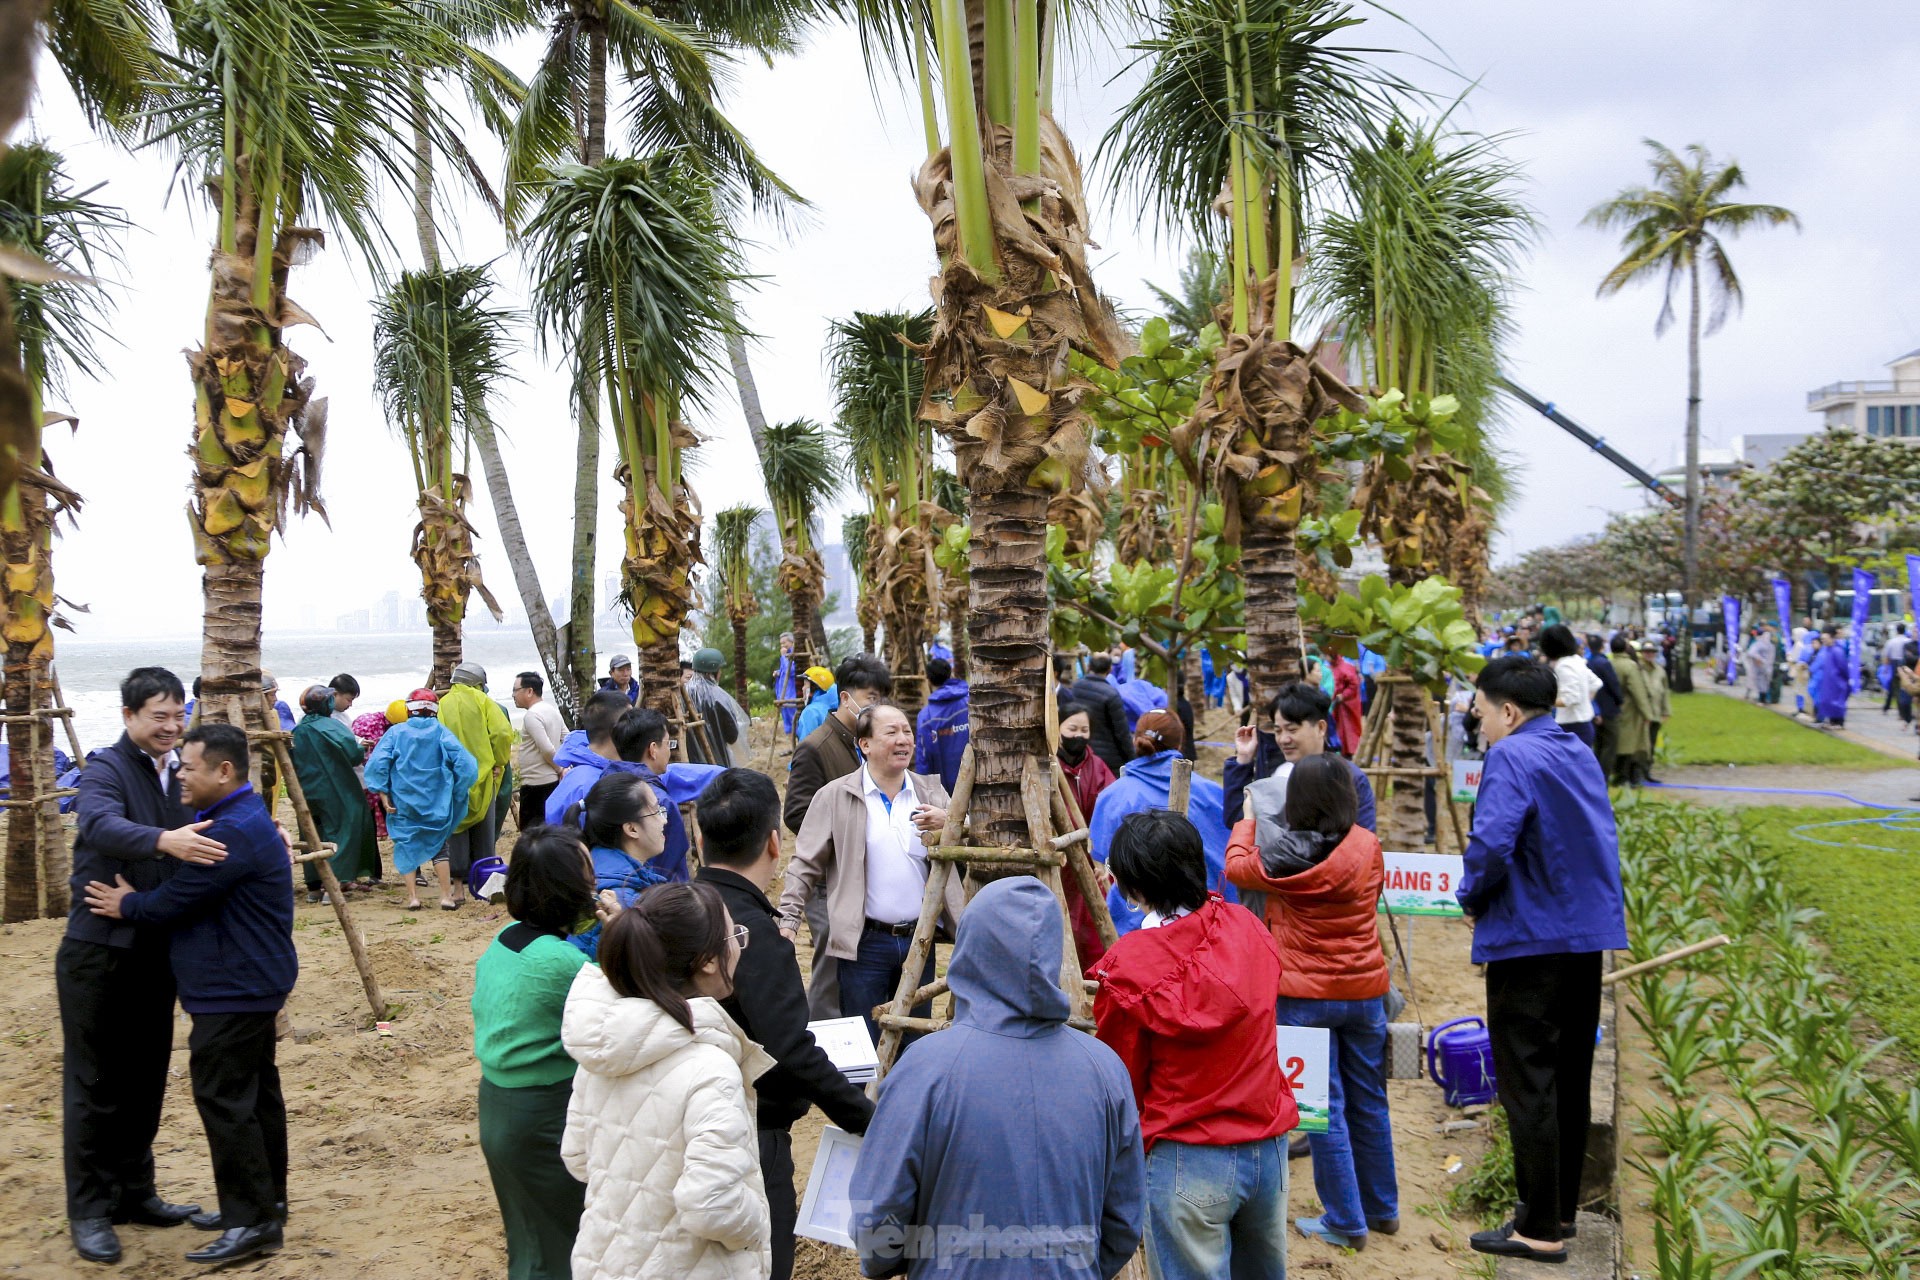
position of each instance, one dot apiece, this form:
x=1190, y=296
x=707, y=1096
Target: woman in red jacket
x=1087, y=776
x=1184, y=1000
x=1322, y=877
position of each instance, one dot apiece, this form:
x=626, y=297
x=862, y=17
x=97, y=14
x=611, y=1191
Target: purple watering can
x=1460, y=1060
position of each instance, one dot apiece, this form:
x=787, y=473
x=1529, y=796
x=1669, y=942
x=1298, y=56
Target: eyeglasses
x=740, y=936
x=654, y=812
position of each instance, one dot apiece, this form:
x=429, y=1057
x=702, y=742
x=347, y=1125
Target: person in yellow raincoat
x=482, y=727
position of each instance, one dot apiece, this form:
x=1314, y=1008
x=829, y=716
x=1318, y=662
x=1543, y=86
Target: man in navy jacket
x=114, y=979
x=230, y=929
x=1542, y=889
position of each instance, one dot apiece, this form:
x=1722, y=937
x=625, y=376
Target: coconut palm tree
x=438, y=351
x=1669, y=230
x=56, y=323
x=878, y=381
x=732, y=560
x=105, y=50
x=630, y=262
x=801, y=478
x=284, y=112
x=665, y=64
x=856, y=535
x=1246, y=102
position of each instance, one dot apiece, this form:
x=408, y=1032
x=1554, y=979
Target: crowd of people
x=641, y=1023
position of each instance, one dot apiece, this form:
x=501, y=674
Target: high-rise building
x=840, y=586
x=386, y=615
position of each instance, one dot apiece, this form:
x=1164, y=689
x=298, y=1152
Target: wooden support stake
x=1680, y=953
x=1066, y=812
x=66, y=714
x=1180, y=786
x=1072, y=837
x=310, y=842
x=1035, y=787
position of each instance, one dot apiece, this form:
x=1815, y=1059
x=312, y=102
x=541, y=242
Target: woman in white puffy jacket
x=661, y=1126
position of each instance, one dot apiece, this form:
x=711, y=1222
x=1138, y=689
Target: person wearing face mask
x=865, y=837
x=1087, y=775
x=661, y=1123
x=1542, y=891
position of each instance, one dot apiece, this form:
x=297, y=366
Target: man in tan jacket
x=865, y=835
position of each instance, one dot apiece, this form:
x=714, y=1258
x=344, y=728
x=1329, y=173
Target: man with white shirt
x=541, y=733
x=115, y=978
x=864, y=834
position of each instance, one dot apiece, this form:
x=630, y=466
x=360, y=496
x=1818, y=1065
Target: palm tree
x=55, y=325
x=439, y=351
x=801, y=478
x=630, y=265
x=674, y=58
x=105, y=50
x=280, y=110
x=1247, y=101
x=878, y=381
x=733, y=559
x=1668, y=230
x=856, y=535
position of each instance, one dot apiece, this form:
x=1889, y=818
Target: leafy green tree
x=1669, y=231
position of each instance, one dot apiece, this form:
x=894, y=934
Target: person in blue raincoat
x=640, y=746
x=940, y=733
x=1145, y=783
x=1140, y=697
x=425, y=775
x=786, y=682
x=1213, y=681
x=815, y=713
x=1829, y=682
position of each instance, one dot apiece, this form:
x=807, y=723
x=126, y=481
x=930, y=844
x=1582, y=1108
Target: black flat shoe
x=1384, y=1226
x=94, y=1240
x=211, y=1221
x=1501, y=1244
x=240, y=1244
x=155, y=1212
x=1569, y=1230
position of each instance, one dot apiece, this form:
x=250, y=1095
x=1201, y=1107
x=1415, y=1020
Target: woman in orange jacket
x=1322, y=875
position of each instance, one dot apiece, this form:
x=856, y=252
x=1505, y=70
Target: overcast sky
x=1813, y=101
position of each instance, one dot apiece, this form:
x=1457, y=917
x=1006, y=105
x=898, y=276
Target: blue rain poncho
x=427, y=774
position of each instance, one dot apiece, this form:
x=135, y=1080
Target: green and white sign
x=1304, y=1054
x=1422, y=884
x=1466, y=780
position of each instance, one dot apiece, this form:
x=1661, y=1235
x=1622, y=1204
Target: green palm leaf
x=732, y=555
x=878, y=380
x=439, y=352
x=59, y=323
x=801, y=475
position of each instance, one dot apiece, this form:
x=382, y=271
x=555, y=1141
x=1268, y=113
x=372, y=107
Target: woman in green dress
x=327, y=757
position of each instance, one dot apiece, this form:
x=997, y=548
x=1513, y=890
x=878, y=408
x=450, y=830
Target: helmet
x=396, y=711
x=423, y=701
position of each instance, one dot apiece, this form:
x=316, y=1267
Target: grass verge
x=1708, y=729
x=1861, y=869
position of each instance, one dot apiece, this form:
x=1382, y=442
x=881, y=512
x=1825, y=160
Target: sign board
x=1466, y=780
x=826, y=1212
x=847, y=1042
x=1422, y=884
x=1304, y=1054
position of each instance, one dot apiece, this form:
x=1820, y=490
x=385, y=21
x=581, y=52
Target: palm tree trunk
x=1403, y=824
x=660, y=677
x=586, y=481
x=1008, y=652
x=749, y=389
x=804, y=636
x=740, y=658
x=1690, y=572
x=32, y=888
x=446, y=653
x=423, y=179
x=1275, y=649
x=526, y=578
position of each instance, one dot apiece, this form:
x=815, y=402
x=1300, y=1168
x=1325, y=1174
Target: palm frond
x=877, y=380
x=1189, y=306
x=801, y=475
x=59, y=323
x=439, y=352
x=630, y=267
x=856, y=528
x=107, y=51
x=732, y=554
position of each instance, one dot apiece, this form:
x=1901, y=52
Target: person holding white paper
x=739, y=816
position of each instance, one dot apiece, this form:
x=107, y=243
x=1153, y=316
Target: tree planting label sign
x=1304, y=1053
x=1466, y=780
x=1422, y=884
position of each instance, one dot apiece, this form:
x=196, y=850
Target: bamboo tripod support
x=52, y=865
x=692, y=729
x=1046, y=807
x=1374, y=754
x=311, y=849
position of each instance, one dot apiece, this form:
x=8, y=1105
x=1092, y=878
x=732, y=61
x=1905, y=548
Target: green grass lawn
x=1709, y=729
x=1869, y=892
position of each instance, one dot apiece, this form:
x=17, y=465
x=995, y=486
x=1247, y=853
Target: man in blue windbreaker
x=967, y=1171
x=1542, y=889
x=940, y=732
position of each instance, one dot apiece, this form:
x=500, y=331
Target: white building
x=1888, y=408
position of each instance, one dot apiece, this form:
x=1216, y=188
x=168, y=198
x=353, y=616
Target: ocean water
x=387, y=665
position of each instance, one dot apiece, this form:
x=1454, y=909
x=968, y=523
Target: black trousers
x=776, y=1170
x=1543, y=1013
x=1606, y=744
x=533, y=803
x=237, y=1088
x=116, y=1028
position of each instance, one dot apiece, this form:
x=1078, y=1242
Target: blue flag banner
x=1783, y=603
x=1863, y=585
x=1731, y=608
x=1913, y=584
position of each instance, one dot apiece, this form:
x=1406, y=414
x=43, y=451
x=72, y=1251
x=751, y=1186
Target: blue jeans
x=1353, y=1160
x=873, y=977
x=1217, y=1211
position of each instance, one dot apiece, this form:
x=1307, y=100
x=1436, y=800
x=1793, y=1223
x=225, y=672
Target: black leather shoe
x=155, y=1212
x=210, y=1221
x=94, y=1240
x=241, y=1243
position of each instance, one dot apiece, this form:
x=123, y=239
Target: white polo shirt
x=896, y=858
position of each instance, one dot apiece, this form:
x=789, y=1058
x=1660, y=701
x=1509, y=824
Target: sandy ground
x=387, y=1176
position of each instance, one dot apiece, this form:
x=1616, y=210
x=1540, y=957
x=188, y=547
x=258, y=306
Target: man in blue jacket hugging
x=1542, y=890
x=231, y=941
